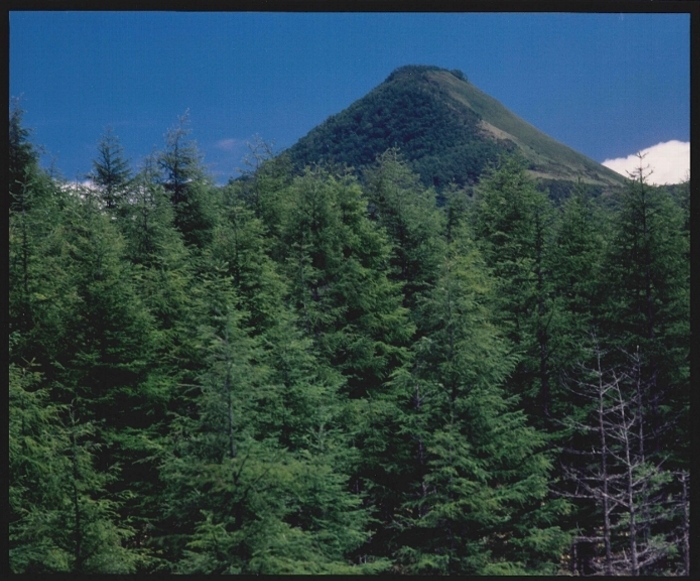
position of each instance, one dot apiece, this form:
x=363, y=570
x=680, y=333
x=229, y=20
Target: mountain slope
x=447, y=130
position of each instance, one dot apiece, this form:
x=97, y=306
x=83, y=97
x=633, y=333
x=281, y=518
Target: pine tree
x=237, y=501
x=108, y=330
x=401, y=205
x=480, y=506
x=63, y=518
x=625, y=455
x=35, y=468
x=578, y=252
x=163, y=266
x=336, y=262
x=240, y=243
x=264, y=182
x=647, y=274
x=513, y=225
x=185, y=181
x=22, y=157
x=35, y=206
x=111, y=171
x=103, y=349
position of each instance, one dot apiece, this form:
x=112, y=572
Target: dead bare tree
x=607, y=467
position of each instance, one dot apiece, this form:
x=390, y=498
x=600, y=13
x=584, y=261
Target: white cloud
x=669, y=162
x=230, y=144
x=77, y=186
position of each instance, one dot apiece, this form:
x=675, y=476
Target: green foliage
x=551, y=160
x=576, y=256
x=313, y=374
x=337, y=262
x=449, y=132
x=647, y=308
x=62, y=517
x=484, y=473
x=262, y=186
x=440, y=142
x=240, y=243
x=22, y=159
x=513, y=225
x=184, y=179
x=267, y=510
x=111, y=171
x=407, y=212
x=107, y=341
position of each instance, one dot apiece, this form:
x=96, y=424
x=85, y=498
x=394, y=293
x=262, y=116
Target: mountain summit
x=447, y=130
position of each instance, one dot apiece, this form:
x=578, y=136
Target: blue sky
x=607, y=85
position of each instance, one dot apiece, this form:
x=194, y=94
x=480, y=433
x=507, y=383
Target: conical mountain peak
x=447, y=129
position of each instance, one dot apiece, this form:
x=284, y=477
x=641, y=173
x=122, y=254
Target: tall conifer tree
x=111, y=171
x=185, y=181
x=647, y=274
x=481, y=506
x=513, y=227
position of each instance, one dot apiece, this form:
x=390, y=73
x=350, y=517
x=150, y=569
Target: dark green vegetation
x=317, y=373
x=448, y=132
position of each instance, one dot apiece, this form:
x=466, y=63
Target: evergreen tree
x=629, y=403
x=400, y=204
x=111, y=171
x=264, y=182
x=185, y=181
x=336, y=262
x=305, y=375
x=647, y=274
x=108, y=332
x=63, y=518
x=42, y=286
x=513, y=226
x=28, y=226
x=480, y=505
x=34, y=469
x=237, y=500
x=22, y=158
x=240, y=243
x=94, y=337
x=578, y=251
x=35, y=207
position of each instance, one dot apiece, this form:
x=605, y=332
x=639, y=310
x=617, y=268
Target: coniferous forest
x=333, y=371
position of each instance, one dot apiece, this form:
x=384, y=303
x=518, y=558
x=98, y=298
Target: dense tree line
x=312, y=373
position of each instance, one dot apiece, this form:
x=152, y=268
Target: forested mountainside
x=320, y=374
x=448, y=131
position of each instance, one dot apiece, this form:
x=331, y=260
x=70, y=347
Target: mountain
x=447, y=130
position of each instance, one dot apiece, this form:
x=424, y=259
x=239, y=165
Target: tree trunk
x=604, y=470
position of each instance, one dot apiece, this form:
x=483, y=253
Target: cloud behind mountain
x=668, y=161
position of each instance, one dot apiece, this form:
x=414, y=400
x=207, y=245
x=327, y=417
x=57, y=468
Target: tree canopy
x=332, y=373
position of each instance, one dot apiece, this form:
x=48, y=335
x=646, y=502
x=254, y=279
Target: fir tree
x=185, y=181
x=63, y=518
x=111, y=171
x=481, y=506
x=238, y=501
x=400, y=204
x=513, y=226
x=647, y=274
x=22, y=158
x=336, y=261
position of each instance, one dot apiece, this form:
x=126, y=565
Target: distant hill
x=447, y=130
